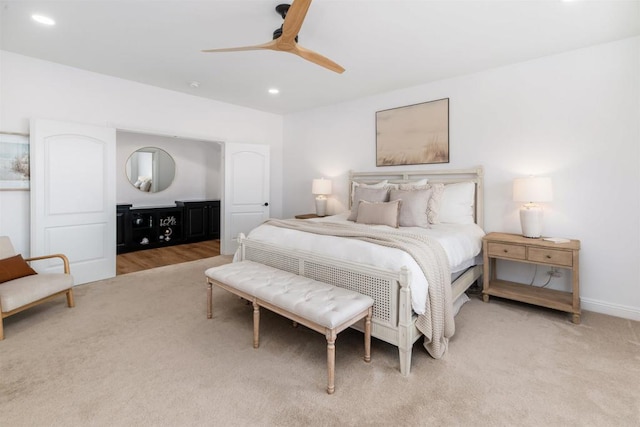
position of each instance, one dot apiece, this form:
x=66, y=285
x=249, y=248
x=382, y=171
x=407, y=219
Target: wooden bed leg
x=331, y=360
x=209, y=300
x=367, y=336
x=405, y=343
x=405, y=361
x=256, y=325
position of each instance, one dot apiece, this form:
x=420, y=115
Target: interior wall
x=32, y=88
x=197, y=169
x=573, y=117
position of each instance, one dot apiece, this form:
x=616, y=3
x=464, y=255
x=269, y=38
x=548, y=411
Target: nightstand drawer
x=550, y=256
x=501, y=250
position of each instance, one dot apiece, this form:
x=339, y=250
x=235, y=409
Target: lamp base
x=321, y=206
x=531, y=220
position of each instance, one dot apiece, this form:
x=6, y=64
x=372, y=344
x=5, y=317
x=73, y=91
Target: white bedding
x=461, y=242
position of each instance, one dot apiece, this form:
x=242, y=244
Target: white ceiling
x=384, y=45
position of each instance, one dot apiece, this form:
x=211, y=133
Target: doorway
x=102, y=174
x=196, y=174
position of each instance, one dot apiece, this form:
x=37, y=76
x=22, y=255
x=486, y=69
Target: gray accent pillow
x=368, y=195
x=379, y=213
x=413, y=210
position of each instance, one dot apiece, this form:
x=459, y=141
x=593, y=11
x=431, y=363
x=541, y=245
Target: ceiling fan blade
x=269, y=45
x=293, y=21
x=316, y=58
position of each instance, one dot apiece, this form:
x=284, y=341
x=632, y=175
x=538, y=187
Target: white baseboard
x=617, y=310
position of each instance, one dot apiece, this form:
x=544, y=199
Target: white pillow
x=414, y=185
x=457, y=203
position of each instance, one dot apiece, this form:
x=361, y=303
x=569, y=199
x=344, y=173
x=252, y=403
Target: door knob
x=266, y=204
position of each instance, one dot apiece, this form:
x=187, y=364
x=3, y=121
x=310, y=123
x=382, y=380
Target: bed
x=416, y=295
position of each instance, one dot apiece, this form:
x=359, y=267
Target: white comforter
x=461, y=242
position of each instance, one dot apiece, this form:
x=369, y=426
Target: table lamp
x=532, y=190
x=321, y=188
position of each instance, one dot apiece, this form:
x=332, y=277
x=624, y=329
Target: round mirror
x=150, y=169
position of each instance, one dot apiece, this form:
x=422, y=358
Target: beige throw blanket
x=437, y=323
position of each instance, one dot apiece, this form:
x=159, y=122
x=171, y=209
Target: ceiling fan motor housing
x=282, y=10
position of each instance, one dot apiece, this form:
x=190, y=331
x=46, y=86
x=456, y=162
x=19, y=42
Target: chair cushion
x=14, y=267
x=19, y=292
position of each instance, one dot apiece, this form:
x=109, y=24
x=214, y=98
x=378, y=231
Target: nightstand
x=307, y=216
x=514, y=247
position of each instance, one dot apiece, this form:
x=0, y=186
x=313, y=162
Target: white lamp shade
x=532, y=190
x=321, y=186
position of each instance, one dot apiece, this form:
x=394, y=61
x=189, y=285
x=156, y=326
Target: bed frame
x=393, y=319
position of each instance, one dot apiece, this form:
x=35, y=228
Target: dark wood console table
x=140, y=228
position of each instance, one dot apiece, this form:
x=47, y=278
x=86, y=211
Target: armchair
x=25, y=292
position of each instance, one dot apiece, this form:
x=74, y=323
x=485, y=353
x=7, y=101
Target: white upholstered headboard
x=475, y=175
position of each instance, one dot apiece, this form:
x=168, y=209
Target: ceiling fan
x=285, y=38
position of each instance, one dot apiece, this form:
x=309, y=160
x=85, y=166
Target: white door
x=73, y=197
x=246, y=191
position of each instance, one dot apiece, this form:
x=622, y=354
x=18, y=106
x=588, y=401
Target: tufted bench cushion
x=325, y=308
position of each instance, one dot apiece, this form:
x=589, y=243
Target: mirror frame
x=153, y=174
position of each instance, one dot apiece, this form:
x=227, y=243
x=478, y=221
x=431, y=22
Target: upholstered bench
x=319, y=306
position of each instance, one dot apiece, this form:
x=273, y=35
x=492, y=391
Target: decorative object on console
x=321, y=188
x=415, y=134
x=532, y=190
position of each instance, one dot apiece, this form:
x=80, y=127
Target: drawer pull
x=505, y=251
x=548, y=256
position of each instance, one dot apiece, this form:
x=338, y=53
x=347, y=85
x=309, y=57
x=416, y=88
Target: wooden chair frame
x=68, y=292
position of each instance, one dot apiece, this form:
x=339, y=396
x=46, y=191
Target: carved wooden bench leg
x=331, y=360
x=209, y=300
x=367, y=336
x=256, y=325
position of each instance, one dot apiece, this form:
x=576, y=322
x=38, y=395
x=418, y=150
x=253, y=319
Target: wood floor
x=151, y=258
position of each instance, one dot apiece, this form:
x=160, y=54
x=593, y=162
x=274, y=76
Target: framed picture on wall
x=14, y=162
x=413, y=135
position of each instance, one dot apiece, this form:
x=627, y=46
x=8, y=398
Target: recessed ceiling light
x=194, y=84
x=274, y=91
x=43, y=19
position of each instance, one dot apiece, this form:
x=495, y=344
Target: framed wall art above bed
x=412, y=135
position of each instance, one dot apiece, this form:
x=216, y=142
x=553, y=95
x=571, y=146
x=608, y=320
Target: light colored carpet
x=139, y=350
